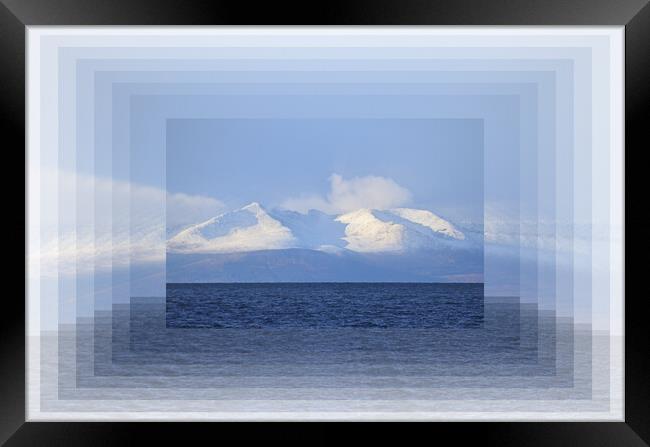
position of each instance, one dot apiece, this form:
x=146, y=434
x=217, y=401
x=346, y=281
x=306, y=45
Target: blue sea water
x=420, y=338
x=329, y=329
x=324, y=305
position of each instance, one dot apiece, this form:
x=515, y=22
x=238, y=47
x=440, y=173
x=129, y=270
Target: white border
x=336, y=36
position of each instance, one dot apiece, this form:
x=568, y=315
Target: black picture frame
x=15, y=15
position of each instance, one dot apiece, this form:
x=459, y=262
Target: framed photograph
x=381, y=213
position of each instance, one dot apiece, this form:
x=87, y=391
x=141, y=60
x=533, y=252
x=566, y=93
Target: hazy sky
x=296, y=163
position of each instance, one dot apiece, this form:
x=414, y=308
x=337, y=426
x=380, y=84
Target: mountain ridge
x=254, y=228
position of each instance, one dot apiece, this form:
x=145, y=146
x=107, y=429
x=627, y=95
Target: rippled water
x=324, y=305
x=326, y=347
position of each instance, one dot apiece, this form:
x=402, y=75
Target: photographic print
x=341, y=223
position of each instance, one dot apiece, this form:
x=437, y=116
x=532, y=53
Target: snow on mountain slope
x=429, y=220
x=313, y=230
x=398, y=229
x=247, y=229
x=252, y=228
x=365, y=233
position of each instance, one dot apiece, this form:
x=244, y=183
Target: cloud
x=506, y=226
x=184, y=209
x=349, y=195
x=106, y=223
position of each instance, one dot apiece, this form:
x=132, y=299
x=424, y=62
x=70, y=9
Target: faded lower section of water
x=284, y=358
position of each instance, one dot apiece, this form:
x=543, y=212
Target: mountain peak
x=428, y=219
x=254, y=207
x=249, y=228
x=364, y=230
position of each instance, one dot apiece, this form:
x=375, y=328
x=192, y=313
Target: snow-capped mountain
x=253, y=244
x=249, y=228
x=253, y=228
x=370, y=231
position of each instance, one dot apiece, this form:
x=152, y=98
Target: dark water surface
x=324, y=305
x=353, y=333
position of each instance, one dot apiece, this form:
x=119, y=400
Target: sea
x=324, y=305
x=325, y=347
x=320, y=329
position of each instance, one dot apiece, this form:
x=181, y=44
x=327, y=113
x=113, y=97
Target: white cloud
x=184, y=209
x=352, y=194
x=104, y=223
x=505, y=226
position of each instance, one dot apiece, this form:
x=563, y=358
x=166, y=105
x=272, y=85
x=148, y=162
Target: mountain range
x=253, y=244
